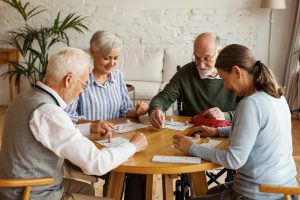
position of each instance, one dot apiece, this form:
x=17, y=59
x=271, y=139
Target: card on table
x=176, y=159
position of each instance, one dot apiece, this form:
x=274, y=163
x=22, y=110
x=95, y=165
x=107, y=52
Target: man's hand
x=215, y=113
x=203, y=131
x=157, y=118
x=102, y=128
x=141, y=108
x=182, y=143
x=140, y=141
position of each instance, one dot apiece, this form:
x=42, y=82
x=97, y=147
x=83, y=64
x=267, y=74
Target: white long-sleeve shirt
x=53, y=127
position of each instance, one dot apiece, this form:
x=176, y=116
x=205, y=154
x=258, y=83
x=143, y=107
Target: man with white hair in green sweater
x=198, y=85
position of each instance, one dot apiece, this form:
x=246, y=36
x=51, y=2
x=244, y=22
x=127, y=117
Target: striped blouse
x=102, y=102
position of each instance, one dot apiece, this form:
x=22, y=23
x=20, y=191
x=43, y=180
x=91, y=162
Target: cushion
x=174, y=57
x=142, y=64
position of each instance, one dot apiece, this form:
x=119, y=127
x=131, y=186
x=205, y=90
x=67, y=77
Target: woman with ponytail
x=260, y=140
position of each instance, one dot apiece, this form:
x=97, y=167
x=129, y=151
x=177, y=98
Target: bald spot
x=204, y=44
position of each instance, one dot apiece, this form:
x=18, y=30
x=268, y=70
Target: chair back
x=27, y=183
x=287, y=191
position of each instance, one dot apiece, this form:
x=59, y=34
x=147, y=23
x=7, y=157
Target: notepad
x=176, y=159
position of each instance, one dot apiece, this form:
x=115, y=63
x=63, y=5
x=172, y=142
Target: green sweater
x=195, y=93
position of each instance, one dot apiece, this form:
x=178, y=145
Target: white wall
x=280, y=38
x=167, y=23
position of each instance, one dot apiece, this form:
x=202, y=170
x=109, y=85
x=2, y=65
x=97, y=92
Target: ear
x=67, y=80
x=91, y=52
x=237, y=71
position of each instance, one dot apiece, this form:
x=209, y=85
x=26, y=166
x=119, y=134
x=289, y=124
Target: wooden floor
x=157, y=195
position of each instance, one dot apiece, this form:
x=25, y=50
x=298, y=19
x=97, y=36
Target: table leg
x=149, y=186
x=115, y=185
x=199, y=184
x=167, y=183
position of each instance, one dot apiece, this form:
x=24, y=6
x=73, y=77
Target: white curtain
x=292, y=74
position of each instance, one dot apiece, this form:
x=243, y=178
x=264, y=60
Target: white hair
x=67, y=61
x=105, y=41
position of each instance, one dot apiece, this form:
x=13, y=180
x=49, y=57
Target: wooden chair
x=27, y=183
x=287, y=191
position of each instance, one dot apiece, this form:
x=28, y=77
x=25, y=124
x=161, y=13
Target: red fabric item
x=200, y=119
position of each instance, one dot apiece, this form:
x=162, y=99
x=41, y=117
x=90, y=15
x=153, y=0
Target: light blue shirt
x=102, y=102
x=260, y=146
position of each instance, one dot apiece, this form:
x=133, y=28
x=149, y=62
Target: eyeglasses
x=83, y=83
x=205, y=60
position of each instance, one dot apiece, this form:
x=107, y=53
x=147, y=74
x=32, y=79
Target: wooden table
x=160, y=142
x=7, y=55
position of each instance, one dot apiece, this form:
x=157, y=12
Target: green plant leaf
x=22, y=9
x=34, y=43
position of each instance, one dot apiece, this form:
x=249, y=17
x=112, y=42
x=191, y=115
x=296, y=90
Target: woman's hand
x=182, y=143
x=203, y=131
x=141, y=108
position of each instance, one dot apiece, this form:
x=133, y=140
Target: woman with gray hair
x=106, y=97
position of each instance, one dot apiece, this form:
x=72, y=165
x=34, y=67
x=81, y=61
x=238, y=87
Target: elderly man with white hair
x=36, y=142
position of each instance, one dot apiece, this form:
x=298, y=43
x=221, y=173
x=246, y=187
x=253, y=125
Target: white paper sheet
x=126, y=127
x=113, y=142
x=180, y=126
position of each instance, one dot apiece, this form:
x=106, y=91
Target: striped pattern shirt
x=102, y=102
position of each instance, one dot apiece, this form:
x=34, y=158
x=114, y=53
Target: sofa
x=150, y=69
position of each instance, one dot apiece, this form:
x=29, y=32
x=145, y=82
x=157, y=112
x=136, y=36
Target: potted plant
x=34, y=43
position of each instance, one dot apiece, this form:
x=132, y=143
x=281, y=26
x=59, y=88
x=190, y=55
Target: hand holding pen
x=103, y=128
